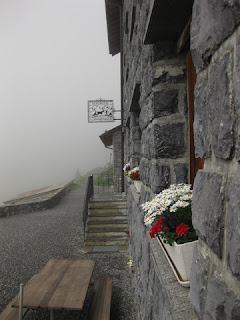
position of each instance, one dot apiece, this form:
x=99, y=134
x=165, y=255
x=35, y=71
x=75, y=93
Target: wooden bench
x=100, y=304
x=10, y=313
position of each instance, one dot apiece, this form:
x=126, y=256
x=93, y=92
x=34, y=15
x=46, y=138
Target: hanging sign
x=100, y=111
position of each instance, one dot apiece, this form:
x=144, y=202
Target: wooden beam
x=184, y=37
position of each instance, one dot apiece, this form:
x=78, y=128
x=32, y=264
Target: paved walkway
x=28, y=241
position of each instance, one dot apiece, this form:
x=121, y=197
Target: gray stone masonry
x=233, y=225
x=208, y=215
x=117, y=161
x=158, y=294
x=215, y=277
x=156, y=138
x=212, y=22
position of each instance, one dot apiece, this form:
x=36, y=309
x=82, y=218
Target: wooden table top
x=61, y=284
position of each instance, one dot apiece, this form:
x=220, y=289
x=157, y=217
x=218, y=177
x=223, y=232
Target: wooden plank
x=40, y=289
x=71, y=291
x=184, y=38
x=100, y=305
x=10, y=313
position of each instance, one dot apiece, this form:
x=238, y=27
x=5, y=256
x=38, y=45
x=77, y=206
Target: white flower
x=176, y=196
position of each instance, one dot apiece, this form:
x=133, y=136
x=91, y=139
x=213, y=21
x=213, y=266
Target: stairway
x=107, y=224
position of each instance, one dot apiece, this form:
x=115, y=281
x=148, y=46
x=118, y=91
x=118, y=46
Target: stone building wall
x=215, y=281
x=156, y=139
x=117, y=161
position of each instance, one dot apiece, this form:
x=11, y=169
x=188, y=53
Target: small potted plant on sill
x=126, y=168
x=170, y=217
x=135, y=176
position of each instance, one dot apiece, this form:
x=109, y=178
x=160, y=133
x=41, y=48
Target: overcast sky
x=53, y=58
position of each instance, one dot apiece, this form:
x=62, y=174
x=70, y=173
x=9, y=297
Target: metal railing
x=103, y=182
x=88, y=195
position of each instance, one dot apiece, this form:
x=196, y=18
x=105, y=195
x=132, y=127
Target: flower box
x=170, y=217
x=181, y=256
x=137, y=185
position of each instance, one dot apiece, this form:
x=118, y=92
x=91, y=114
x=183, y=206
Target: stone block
x=169, y=73
x=146, y=114
x=145, y=257
x=160, y=177
x=201, y=121
x=145, y=173
x=221, y=302
x=233, y=226
x=134, y=119
x=144, y=197
x=161, y=52
x=147, y=143
x=236, y=78
x=135, y=148
x=181, y=173
x=212, y=22
x=199, y=274
x=165, y=102
x=152, y=273
x=168, y=141
x=207, y=209
x=134, y=161
x=136, y=133
x=220, y=113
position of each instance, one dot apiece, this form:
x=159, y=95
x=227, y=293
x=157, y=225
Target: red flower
x=182, y=229
x=128, y=168
x=135, y=175
x=156, y=228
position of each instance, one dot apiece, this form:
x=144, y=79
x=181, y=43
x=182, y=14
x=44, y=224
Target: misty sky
x=53, y=58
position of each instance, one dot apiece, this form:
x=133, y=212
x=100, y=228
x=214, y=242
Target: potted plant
x=170, y=217
x=135, y=176
x=126, y=168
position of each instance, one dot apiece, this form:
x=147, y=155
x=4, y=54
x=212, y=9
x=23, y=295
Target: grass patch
x=76, y=184
x=104, y=179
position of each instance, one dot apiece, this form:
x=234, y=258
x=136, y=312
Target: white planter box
x=137, y=185
x=181, y=256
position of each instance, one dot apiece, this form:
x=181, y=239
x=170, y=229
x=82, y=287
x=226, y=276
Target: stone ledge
x=42, y=204
x=178, y=296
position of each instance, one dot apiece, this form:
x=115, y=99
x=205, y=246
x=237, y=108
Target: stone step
x=103, y=204
x=109, y=197
x=107, y=220
x=107, y=228
x=102, y=236
x=117, y=242
x=105, y=249
x=107, y=211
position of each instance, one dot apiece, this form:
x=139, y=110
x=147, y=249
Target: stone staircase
x=107, y=224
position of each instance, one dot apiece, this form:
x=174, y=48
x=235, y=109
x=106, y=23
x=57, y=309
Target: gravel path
x=28, y=241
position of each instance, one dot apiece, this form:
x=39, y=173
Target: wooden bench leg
x=100, y=304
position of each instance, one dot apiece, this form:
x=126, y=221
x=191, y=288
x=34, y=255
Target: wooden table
x=61, y=284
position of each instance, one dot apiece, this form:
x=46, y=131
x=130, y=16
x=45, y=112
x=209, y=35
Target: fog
x=53, y=58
